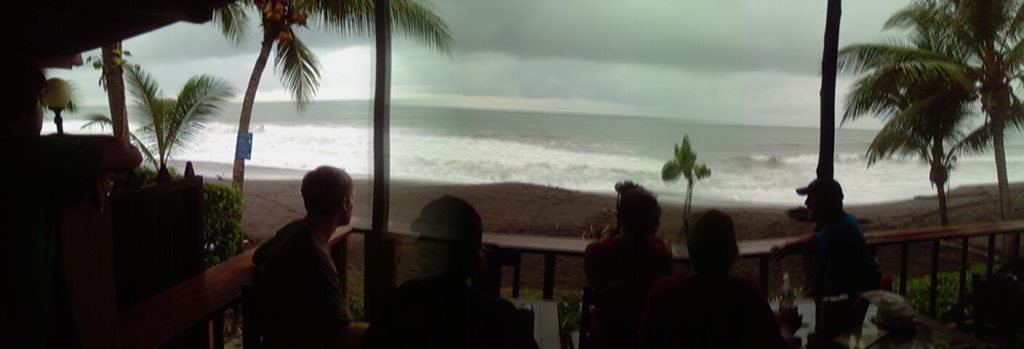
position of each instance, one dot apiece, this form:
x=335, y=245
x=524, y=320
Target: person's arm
x=651, y=330
x=764, y=327
x=798, y=244
x=116, y=155
x=594, y=264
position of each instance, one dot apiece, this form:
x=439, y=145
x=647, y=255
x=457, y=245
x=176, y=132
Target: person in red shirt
x=621, y=269
x=710, y=308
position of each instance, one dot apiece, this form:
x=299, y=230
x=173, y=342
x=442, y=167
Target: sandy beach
x=533, y=209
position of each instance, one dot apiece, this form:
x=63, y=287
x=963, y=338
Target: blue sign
x=243, y=147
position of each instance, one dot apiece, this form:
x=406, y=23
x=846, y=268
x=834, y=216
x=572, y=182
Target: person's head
x=455, y=233
x=824, y=199
x=711, y=241
x=327, y=193
x=23, y=84
x=639, y=213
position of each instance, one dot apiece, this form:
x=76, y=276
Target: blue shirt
x=840, y=259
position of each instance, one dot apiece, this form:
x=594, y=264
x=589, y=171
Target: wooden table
x=930, y=333
x=545, y=321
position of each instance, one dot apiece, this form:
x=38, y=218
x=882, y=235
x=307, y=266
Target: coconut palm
x=927, y=120
x=684, y=164
x=978, y=43
x=296, y=64
x=170, y=124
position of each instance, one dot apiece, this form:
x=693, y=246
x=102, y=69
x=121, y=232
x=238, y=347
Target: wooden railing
x=160, y=318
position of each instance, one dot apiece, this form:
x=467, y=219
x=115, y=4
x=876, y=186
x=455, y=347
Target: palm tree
x=170, y=124
x=927, y=120
x=684, y=164
x=978, y=43
x=296, y=64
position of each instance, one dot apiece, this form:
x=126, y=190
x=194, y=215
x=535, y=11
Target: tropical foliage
x=169, y=124
x=976, y=45
x=296, y=64
x=684, y=164
x=928, y=117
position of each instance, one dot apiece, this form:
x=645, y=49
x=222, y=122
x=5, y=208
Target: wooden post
x=380, y=271
x=827, y=140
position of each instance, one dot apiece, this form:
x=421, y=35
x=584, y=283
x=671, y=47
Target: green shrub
x=569, y=303
x=222, y=222
x=356, y=308
x=947, y=293
x=222, y=212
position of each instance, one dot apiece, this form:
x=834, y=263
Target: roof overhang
x=53, y=32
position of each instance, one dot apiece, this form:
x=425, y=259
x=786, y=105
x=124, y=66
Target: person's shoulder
x=289, y=240
x=669, y=283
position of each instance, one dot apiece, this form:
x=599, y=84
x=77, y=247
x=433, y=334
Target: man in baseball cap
x=842, y=267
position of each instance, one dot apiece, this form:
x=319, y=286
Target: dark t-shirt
x=37, y=171
x=708, y=311
x=841, y=261
x=622, y=270
x=443, y=312
x=301, y=303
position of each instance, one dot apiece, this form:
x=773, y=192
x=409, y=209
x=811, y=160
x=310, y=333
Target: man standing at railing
x=301, y=304
x=38, y=173
x=842, y=266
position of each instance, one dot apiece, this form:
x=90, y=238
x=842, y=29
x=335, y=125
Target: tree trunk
x=1011, y=241
x=238, y=172
x=113, y=76
x=687, y=207
x=943, y=213
x=939, y=176
x=829, y=55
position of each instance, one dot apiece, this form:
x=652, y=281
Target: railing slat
x=763, y=271
x=549, y=275
x=962, y=289
x=933, y=290
x=991, y=256
x=904, y=251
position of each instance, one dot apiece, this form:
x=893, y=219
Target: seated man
x=710, y=308
x=622, y=267
x=300, y=297
x=441, y=310
x=38, y=172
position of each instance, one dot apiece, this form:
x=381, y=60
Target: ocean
x=751, y=165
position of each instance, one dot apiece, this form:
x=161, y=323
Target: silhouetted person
x=621, y=269
x=300, y=298
x=710, y=308
x=37, y=173
x=441, y=310
x=841, y=267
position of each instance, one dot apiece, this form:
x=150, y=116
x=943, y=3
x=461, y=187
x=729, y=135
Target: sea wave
x=754, y=172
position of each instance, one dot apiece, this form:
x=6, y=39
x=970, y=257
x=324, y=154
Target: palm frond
x=150, y=106
x=200, y=99
x=895, y=140
x=410, y=18
x=299, y=69
x=859, y=58
x=233, y=21
x=975, y=142
x=98, y=120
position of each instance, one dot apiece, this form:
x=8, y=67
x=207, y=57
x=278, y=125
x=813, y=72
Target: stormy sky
x=731, y=61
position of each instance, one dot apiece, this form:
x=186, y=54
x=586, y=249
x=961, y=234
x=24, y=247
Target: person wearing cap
x=710, y=308
x=621, y=268
x=39, y=172
x=842, y=266
x=441, y=310
x=301, y=304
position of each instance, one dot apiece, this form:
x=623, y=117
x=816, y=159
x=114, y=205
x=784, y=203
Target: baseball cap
x=822, y=186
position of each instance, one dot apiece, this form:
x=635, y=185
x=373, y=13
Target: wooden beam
x=160, y=318
x=380, y=273
x=827, y=139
